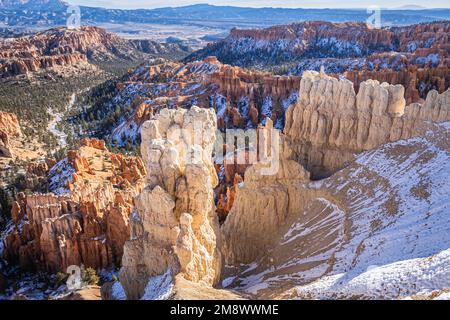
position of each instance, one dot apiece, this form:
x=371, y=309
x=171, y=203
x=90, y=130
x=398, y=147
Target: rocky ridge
x=74, y=49
x=414, y=56
x=319, y=39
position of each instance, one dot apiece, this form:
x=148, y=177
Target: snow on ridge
x=159, y=287
x=392, y=281
x=299, y=229
x=405, y=242
x=60, y=176
x=117, y=291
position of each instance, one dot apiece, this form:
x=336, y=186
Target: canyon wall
x=9, y=129
x=262, y=204
x=175, y=228
x=56, y=48
x=417, y=81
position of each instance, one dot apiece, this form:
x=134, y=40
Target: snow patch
x=159, y=287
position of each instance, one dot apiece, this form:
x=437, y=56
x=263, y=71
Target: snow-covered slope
x=378, y=229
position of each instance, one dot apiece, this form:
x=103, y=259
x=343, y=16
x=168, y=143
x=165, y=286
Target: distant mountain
x=44, y=13
x=411, y=7
x=33, y=4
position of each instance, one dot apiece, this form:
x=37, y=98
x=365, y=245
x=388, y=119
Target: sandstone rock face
x=175, y=227
x=328, y=126
x=417, y=81
x=262, y=204
x=85, y=220
x=9, y=128
x=330, y=123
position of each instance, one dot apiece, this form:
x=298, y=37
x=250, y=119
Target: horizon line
x=405, y=8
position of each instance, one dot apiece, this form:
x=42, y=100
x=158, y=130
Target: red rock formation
x=94, y=143
x=88, y=225
x=420, y=35
x=9, y=128
x=235, y=83
x=206, y=84
x=40, y=168
x=226, y=201
x=10, y=124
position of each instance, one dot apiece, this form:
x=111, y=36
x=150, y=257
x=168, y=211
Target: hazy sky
x=264, y=3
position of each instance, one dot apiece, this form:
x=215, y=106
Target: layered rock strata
x=62, y=47
x=319, y=39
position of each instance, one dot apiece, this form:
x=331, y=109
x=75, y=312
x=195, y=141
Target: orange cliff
x=53, y=48
x=86, y=222
x=347, y=31
x=9, y=128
